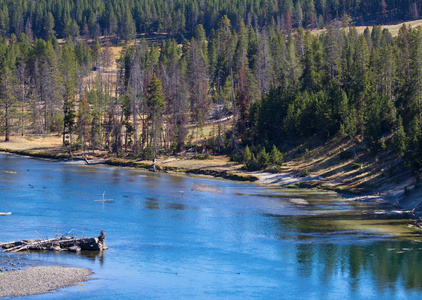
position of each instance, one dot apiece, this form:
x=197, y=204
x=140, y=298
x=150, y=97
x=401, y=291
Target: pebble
x=40, y=280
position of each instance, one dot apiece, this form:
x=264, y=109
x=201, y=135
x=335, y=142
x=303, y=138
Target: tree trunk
x=6, y=119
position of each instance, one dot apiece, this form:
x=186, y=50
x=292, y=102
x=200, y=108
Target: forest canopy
x=40, y=18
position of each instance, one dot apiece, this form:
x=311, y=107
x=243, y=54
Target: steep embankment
x=352, y=170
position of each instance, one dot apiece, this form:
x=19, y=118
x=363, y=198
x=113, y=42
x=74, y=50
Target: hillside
x=343, y=106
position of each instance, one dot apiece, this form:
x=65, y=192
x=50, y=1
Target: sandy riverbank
x=40, y=280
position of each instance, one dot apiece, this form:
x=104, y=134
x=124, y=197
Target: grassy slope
x=394, y=29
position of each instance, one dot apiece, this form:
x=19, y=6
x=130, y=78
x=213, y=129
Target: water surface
x=169, y=241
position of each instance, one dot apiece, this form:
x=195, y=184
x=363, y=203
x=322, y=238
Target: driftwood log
x=64, y=243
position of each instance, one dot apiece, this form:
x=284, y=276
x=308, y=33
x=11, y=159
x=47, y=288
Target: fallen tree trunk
x=64, y=243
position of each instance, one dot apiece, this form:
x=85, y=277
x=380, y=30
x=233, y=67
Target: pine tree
x=49, y=24
x=112, y=22
x=291, y=67
x=155, y=103
x=129, y=29
x=69, y=113
x=83, y=121
x=399, y=139
x=276, y=157
x=247, y=155
x=8, y=90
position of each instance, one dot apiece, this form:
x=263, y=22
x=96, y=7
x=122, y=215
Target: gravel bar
x=40, y=280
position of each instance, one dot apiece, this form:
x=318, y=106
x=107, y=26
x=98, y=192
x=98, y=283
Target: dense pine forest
x=248, y=68
x=40, y=18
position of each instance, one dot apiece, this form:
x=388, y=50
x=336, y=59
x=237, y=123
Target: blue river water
x=169, y=240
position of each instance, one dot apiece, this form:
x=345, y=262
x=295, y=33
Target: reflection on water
x=151, y=203
x=386, y=265
x=93, y=255
x=169, y=241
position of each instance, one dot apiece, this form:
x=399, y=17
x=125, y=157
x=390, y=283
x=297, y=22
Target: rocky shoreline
x=40, y=280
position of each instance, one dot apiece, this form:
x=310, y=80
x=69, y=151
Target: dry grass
x=33, y=143
x=334, y=172
x=53, y=145
x=394, y=29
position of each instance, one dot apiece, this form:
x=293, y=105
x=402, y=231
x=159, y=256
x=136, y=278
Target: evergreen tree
x=276, y=157
x=68, y=112
x=155, y=103
x=83, y=119
x=8, y=90
x=399, y=139
x=49, y=24
x=247, y=155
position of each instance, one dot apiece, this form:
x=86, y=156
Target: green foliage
x=247, y=155
x=204, y=156
x=399, y=139
x=125, y=18
x=276, y=157
x=263, y=158
x=356, y=166
x=69, y=108
x=147, y=153
x=305, y=173
x=155, y=103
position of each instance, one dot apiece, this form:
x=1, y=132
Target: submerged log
x=64, y=243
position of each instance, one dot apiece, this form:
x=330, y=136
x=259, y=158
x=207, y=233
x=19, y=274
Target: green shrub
x=235, y=157
x=205, y=156
x=147, y=153
x=247, y=155
x=306, y=173
x=263, y=159
x=356, y=166
x=306, y=154
x=276, y=157
x=252, y=165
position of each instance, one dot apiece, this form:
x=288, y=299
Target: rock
x=90, y=244
x=74, y=249
x=54, y=248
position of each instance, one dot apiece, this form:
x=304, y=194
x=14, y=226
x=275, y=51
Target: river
x=168, y=240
